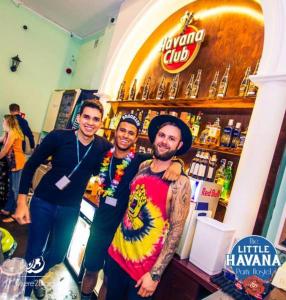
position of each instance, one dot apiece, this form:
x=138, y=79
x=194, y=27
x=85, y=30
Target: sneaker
x=39, y=289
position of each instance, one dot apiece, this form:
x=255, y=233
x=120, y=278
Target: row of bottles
x=217, y=87
x=204, y=167
x=232, y=136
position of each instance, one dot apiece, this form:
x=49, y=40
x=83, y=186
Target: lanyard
x=79, y=161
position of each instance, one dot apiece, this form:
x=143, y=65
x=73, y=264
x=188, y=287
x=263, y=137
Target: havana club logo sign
x=179, y=51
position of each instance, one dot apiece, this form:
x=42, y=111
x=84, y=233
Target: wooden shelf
x=223, y=103
x=223, y=150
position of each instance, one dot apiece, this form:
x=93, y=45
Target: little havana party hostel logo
x=179, y=51
x=253, y=256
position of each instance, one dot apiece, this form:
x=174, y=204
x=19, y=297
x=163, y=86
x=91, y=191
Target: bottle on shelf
x=223, y=83
x=243, y=88
x=235, y=141
x=214, y=133
x=121, y=91
x=225, y=192
x=146, y=122
x=227, y=134
x=115, y=120
x=132, y=93
x=193, y=163
x=205, y=156
x=195, y=127
x=146, y=89
x=196, y=85
x=213, y=86
x=211, y=168
x=252, y=88
x=195, y=171
x=204, y=134
x=188, y=90
x=219, y=174
x=174, y=87
x=107, y=121
x=242, y=139
x=161, y=89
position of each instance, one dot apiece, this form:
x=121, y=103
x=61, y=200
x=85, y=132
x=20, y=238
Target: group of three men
x=133, y=245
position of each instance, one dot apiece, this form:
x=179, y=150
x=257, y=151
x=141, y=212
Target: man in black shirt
x=54, y=208
x=24, y=125
x=119, y=167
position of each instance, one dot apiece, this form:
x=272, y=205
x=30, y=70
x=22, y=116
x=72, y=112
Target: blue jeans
x=14, y=182
x=50, y=233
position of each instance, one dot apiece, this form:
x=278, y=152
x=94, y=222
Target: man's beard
x=164, y=157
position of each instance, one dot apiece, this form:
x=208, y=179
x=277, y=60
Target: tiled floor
x=59, y=282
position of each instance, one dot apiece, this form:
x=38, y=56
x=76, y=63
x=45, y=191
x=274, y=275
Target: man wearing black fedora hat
x=148, y=235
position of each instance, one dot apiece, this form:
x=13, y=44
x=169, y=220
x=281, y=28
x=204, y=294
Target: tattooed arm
x=180, y=193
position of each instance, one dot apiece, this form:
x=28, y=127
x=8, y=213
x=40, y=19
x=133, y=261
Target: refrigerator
x=75, y=256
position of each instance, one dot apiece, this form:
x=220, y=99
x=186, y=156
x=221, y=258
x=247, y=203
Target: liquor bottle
x=225, y=191
x=146, y=122
x=244, y=83
x=242, y=139
x=188, y=90
x=227, y=134
x=236, y=136
x=204, y=134
x=107, y=121
x=174, y=87
x=196, y=85
x=211, y=168
x=219, y=174
x=252, y=88
x=203, y=165
x=193, y=163
x=223, y=83
x=146, y=89
x=161, y=89
x=121, y=92
x=214, y=133
x=197, y=165
x=196, y=126
x=132, y=92
x=213, y=86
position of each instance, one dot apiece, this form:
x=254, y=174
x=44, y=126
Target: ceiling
x=80, y=17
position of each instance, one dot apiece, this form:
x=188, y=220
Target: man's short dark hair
x=14, y=107
x=92, y=103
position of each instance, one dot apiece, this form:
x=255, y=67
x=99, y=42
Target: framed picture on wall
x=280, y=241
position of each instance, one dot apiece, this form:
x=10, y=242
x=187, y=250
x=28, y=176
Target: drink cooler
x=212, y=241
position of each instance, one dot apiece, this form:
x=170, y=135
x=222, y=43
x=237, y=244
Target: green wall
x=45, y=51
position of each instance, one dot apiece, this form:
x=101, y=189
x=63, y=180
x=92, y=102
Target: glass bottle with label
x=196, y=85
x=211, y=168
x=242, y=139
x=146, y=89
x=204, y=134
x=161, y=89
x=252, y=88
x=193, y=164
x=213, y=86
x=121, y=91
x=146, y=122
x=188, y=90
x=225, y=192
x=223, y=83
x=219, y=175
x=196, y=127
x=174, y=87
x=203, y=165
x=244, y=83
x=227, y=134
x=132, y=92
x=214, y=133
x=236, y=136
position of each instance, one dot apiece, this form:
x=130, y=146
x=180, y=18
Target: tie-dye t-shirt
x=140, y=236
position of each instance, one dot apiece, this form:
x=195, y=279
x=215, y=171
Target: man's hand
x=22, y=214
x=173, y=172
x=147, y=285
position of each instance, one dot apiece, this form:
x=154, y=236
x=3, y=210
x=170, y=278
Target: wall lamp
x=15, y=63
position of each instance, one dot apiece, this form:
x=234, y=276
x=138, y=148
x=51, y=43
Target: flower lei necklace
x=104, y=171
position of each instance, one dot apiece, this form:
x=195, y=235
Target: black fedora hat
x=158, y=121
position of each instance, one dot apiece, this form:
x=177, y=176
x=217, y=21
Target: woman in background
x=12, y=149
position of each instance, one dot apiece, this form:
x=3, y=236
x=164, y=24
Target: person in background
x=24, y=125
x=149, y=233
x=12, y=149
x=118, y=168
